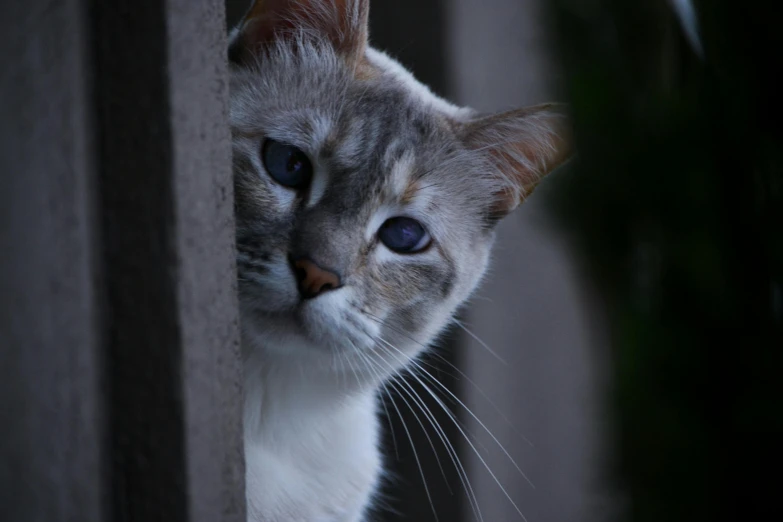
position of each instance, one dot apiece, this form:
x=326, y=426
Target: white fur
x=309, y=457
x=311, y=439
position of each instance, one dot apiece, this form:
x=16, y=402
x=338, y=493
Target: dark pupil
x=286, y=164
x=401, y=234
x=294, y=163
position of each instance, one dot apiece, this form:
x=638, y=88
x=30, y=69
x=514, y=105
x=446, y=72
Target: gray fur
x=382, y=145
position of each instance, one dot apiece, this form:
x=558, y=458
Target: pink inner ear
x=268, y=19
x=343, y=23
x=524, y=145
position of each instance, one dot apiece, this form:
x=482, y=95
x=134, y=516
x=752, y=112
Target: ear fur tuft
x=522, y=146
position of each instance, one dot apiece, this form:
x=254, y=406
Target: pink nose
x=314, y=280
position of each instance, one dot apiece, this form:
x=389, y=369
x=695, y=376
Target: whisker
x=415, y=455
x=353, y=369
x=451, y=451
x=451, y=401
x=455, y=368
x=385, y=390
x=482, y=343
x=341, y=373
x=486, y=466
x=385, y=409
x=426, y=433
x=407, y=359
x=470, y=412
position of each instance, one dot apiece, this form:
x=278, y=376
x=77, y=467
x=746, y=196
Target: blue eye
x=404, y=235
x=286, y=164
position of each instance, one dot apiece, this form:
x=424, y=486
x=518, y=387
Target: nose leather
x=314, y=280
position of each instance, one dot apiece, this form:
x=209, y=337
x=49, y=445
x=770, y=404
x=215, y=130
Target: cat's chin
x=322, y=326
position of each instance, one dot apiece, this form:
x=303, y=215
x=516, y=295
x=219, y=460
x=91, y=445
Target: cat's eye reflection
x=286, y=164
x=404, y=235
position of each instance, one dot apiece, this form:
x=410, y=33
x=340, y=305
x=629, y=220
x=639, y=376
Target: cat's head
x=365, y=205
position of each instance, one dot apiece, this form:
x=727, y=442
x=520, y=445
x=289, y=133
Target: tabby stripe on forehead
x=400, y=176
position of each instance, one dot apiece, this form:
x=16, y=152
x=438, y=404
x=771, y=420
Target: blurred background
x=623, y=360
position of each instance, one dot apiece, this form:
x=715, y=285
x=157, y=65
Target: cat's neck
x=291, y=386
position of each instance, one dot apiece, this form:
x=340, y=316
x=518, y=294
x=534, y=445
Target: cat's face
x=366, y=181
x=365, y=206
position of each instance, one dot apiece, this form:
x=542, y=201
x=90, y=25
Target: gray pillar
x=531, y=309
x=120, y=374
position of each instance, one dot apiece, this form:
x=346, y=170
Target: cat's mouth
x=326, y=322
x=329, y=322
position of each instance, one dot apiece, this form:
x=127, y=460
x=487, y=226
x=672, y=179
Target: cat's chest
x=321, y=468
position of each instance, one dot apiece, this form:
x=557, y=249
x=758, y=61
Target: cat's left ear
x=339, y=23
x=522, y=146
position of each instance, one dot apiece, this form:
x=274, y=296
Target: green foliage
x=675, y=203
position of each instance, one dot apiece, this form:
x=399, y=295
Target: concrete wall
x=119, y=375
x=50, y=411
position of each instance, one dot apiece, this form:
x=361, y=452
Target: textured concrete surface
x=119, y=375
x=205, y=239
x=49, y=341
x=166, y=203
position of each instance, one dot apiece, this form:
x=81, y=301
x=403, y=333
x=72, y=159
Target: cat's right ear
x=340, y=23
x=521, y=146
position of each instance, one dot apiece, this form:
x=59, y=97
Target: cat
x=365, y=212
